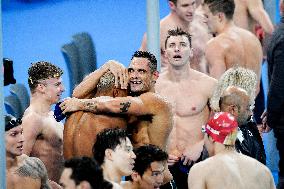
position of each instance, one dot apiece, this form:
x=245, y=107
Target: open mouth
x=136, y=82
x=20, y=147
x=177, y=57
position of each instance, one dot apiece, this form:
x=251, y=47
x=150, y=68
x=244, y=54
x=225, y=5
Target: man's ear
x=155, y=75
x=221, y=16
x=233, y=109
x=115, y=92
x=85, y=185
x=172, y=6
x=40, y=87
x=135, y=176
x=108, y=154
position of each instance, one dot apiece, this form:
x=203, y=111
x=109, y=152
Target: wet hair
x=106, y=82
x=145, y=54
x=40, y=71
x=238, y=77
x=11, y=122
x=87, y=169
x=177, y=32
x=147, y=154
x=107, y=139
x=225, y=6
x=174, y=1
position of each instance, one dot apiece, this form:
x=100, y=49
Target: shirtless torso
x=189, y=98
x=234, y=47
x=26, y=173
x=43, y=137
x=230, y=170
x=250, y=12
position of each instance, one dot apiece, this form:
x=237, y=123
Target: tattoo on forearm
x=91, y=106
x=34, y=168
x=124, y=106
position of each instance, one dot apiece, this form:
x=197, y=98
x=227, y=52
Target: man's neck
x=178, y=73
x=11, y=161
x=227, y=26
x=40, y=104
x=110, y=174
x=179, y=22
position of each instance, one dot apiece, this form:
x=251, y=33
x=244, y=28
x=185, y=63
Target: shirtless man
x=81, y=128
x=189, y=92
x=226, y=168
x=149, y=168
x=22, y=172
x=181, y=15
x=151, y=115
x=233, y=45
x=114, y=153
x=248, y=13
x=43, y=134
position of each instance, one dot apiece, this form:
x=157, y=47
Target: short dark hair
x=145, y=54
x=87, y=169
x=174, y=1
x=177, y=32
x=147, y=154
x=40, y=71
x=225, y=6
x=107, y=139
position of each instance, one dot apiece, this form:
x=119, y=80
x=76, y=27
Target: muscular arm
x=215, y=58
x=256, y=10
x=35, y=169
x=31, y=128
x=196, y=177
x=275, y=101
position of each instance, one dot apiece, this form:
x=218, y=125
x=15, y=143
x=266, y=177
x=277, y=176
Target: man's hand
x=71, y=105
x=191, y=154
x=120, y=73
x=172, y=159
x=265, y=127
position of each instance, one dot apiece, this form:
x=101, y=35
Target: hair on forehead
x=178, y=32
x=151, y=58
x=40, y=71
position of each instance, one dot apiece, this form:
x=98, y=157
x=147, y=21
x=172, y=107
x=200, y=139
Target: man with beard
x=150, y=119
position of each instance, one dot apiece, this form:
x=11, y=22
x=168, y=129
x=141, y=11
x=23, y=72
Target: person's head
x=238, y=77
x=184, y=9
x=113, y=147
x=142, y=72
x=218, y=13
x=106, y=86
x=45, y=78
x=14, y=137
x=235, y=100
x=149, y=167
x=178, y=47
x=222, y=128
x=83, y=173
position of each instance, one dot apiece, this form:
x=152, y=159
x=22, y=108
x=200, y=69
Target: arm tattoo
x=124, y=106
x=34, y=168
x=91, y=106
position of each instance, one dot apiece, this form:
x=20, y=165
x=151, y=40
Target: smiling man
x=189, y=92
x=150, y=165
x=43, y=134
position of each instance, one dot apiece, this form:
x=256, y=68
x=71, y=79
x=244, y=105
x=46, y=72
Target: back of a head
x=40, y=71
x=151, y=58
x=107, y=139
x=87, y=169
x=106, y=83
x=238, y=77
x=11, y=122
x=224, y=6
x=222, y=127
x=147, y=154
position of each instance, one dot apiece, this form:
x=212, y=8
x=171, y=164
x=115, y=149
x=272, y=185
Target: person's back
x=236, y=171
x=81, y=128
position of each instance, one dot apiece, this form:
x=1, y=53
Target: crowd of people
x=191, y=126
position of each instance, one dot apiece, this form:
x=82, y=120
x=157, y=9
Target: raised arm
x=89, y=84
x=256, y=10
